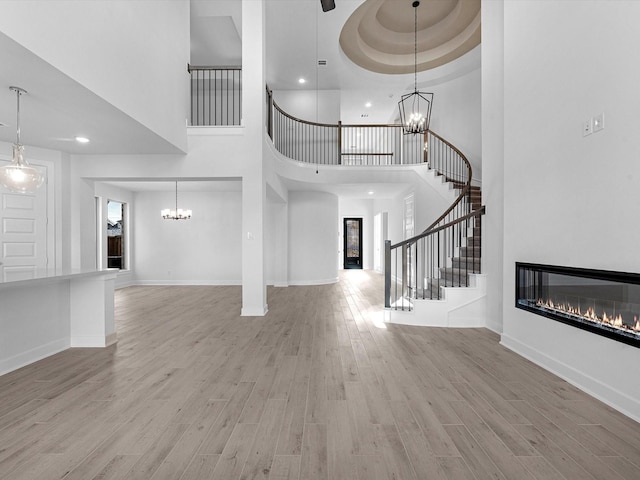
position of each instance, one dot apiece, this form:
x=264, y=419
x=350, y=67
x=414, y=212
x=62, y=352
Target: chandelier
x=415, y=108
x=178, y=213
x=19, y=176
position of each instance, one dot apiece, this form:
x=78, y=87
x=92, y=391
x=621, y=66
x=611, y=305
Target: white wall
x=276, y=246
x=87, y=41
x=302, y=104
x=357, y=208
x=456, y=116
x=568, y=199
x=313, y=238
x=203, y=250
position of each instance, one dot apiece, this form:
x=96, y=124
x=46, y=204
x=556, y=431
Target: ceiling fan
x=328, y=5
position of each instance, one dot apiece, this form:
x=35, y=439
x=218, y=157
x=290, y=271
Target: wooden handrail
x=368, y=154
x=426, y=233
x=315, y=124
x=465, y=189
x=191, y=68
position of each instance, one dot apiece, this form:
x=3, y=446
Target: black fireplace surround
x=600, y=301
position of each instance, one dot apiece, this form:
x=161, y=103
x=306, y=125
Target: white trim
x=30, y=356
x=187, y=282
x=217, y=130
x=248, y=312
x=83, y=341
x=314, y=282
x=594, y=387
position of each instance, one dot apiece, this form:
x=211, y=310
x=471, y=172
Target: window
x=115, y=235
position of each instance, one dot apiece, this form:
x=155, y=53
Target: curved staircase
x=440, y=281
x=434, y=277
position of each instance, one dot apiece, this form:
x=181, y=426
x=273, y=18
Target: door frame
x=345, y=239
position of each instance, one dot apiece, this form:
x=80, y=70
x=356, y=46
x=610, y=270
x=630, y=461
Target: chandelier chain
x=415, y=46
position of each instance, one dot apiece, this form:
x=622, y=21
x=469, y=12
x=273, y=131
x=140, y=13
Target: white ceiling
x=56, y=109
x=294, y=46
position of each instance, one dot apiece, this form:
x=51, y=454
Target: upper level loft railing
x=340, y=144
x=216, y=96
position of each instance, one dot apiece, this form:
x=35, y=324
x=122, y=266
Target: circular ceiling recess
x=379, y=35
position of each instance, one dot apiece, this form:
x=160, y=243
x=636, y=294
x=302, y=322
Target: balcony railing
x=216, y=96
x=341, y=144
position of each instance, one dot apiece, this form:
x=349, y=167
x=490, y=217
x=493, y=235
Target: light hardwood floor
x=317, y=389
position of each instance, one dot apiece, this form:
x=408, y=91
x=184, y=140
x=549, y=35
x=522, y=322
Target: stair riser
x=470, y=252
x=470, y=267
x=456, y=274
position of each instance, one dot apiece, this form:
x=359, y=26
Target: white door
x=380, y=234
x=23, y=232
x=409, y=231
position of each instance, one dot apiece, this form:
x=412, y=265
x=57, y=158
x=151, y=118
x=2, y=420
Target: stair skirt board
x=459, y=308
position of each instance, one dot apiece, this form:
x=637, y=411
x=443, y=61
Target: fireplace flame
x=590, y=314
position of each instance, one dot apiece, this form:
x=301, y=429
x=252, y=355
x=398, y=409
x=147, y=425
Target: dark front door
x=352, y=243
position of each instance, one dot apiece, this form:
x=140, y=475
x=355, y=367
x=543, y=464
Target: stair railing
x=216, y=96
x=339, y=144
x=447, y=251
x=425, y=262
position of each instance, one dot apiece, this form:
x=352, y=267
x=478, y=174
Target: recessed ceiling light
x=370, y=192
x=301, y=80
x=368, y=104
x=82, y=140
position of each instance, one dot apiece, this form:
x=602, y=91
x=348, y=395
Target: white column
x=493, y=159
x=254, y=289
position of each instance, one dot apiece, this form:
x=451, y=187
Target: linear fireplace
x=600, y=301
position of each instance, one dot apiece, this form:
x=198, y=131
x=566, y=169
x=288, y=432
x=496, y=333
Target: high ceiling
x=393, y=36
x=298, y=33
x=293, y=48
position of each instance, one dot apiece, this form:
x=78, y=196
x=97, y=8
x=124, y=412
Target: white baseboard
x=91, y=341
x=26, y=358
x=111, y=339
x=594, y=387
x=254, y=312
x=187, y=282
x=327, y=281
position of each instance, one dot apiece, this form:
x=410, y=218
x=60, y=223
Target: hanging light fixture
x=19, y=176
x=178, y=213
x=415, y=108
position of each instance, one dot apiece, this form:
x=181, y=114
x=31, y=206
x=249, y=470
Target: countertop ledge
x=51, y=276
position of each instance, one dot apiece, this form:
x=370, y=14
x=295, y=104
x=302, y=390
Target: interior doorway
x=352, y=233
x=380, y=234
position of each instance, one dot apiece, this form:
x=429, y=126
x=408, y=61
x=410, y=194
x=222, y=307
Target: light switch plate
x=598, y=122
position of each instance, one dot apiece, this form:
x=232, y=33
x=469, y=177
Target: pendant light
x=178, y=213
x=19, y=176
x=415, y=108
